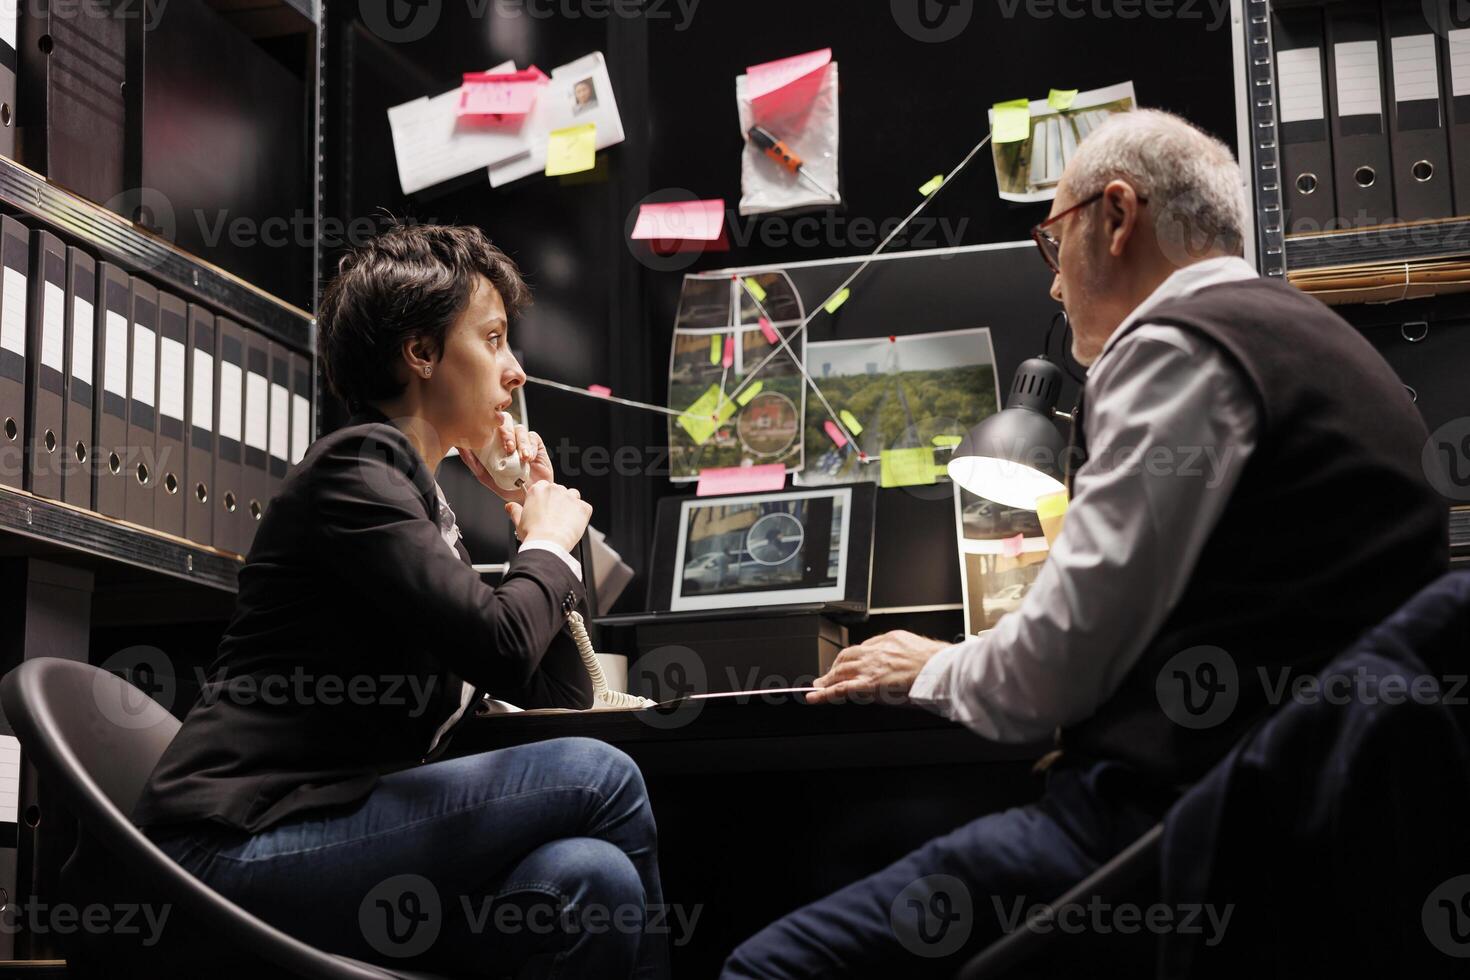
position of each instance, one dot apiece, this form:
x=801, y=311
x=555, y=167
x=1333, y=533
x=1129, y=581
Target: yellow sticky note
x=699, y=419
x=1051, y=505
x=933, y=185
x=837, y=301
x=756, y=290
x=907, y=467
x=715, y=349
x=745, y=396
x=1060, y=99
x=571, y=150
x=850, y=420
x=941, y=471
x=948, y=441
x=1012, y=122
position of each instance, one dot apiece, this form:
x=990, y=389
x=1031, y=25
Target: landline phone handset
x=510, y=472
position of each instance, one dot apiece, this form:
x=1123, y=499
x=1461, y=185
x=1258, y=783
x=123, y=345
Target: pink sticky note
x=729, y=357
x=741, y=479
x=700, y=221
x=601, y=391
x=834, y=433
x=500, y=94
x=1011, y=547
x=770, y=333
x=772, y=76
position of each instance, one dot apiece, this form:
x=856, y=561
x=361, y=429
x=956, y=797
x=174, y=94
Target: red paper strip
x=770, y=333
x=601, y=391
x=834, y=433
x=741, y=479
x=1011, y=547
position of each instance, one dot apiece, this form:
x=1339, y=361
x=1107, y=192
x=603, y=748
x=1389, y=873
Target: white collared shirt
x=1168, y=403
x=449, y=530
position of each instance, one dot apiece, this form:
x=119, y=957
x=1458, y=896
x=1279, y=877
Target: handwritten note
x=741, y=479
x=571, y=150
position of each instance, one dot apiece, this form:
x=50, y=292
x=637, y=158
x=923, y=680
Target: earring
x=427, y=371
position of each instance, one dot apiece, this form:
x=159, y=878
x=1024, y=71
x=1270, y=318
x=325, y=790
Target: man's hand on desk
x=883, y=664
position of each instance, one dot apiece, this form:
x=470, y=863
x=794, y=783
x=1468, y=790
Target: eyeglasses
x=1048, y=244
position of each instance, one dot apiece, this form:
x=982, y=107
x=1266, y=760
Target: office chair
x=99, y=767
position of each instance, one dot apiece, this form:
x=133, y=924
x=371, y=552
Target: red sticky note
x=1011, y=547
x=601, y=391
x=729, y=357
x=700, y=221
x=835, y=433
x=772, y=76
x=487, y=94
x=741, y=479
x=770, y=333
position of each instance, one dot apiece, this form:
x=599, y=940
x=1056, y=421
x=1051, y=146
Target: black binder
x=109, y=488
x=257, y=432
x=1301, y=106
x=1452, y=25
x=14, y=351
x=1418, y=142
x=142, y=405
x=173, y=338
x=303, y=422
x=46, y=330
x=229, y=477
x=202, y=405
x=1362, y=176
x=280, y=434
x=9, y=68
x=81, y=360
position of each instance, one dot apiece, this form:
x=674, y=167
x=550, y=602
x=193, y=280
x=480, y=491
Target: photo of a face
x=584, y=96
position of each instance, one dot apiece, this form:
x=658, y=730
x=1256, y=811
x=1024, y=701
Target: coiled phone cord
x=601, y=696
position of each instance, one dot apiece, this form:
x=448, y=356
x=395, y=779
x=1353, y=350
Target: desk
x=767, y=804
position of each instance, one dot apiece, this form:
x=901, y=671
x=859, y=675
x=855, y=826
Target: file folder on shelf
x=280, y=418
x=229, y=520
x=14, y=350
x=142, y=405
x=1418, y=142
x=168, y=489
x=81, y=358
x=257, y=432
x=1455, y=78
x=9, y=65
x=46, y=330
x=202, y=404
x=1301, y=103
x=302, y=420
x=1362, y=176
x=110, y=445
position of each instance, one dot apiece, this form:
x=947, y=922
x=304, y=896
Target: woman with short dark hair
x=301, y=784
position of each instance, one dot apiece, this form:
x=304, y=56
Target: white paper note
x=431, y=145
x=280, y=421
x=202, y=409
x=115, y=371
x=229, y=400
x=557, y=108
x=53, y=328
x=145, y=369
x=82, y=326
x=1358, y=91
x=1299, y=84
x=300, y=426
x=1415, y=70
x=256, y=410
x=13, y=312
x=171, y=378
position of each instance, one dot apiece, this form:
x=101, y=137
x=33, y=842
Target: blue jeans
x=928, y=912
x=537, y=860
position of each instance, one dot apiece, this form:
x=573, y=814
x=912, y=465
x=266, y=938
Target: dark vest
x=1332, y=526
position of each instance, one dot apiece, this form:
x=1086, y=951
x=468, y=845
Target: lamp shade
x=1015, y=455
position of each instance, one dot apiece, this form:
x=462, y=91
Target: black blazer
x=353, y=627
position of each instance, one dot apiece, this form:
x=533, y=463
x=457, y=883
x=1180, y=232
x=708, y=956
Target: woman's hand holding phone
x=519, y=440
x=551, y=512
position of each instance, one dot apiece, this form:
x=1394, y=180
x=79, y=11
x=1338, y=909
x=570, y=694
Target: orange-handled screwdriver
x=777, y=150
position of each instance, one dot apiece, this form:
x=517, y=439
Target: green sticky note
x=1012, y=122
x=571, y=150
x=950, y=441
x=1060, y=99
x=699, y=419
x=850, y=420
x=715, y=349
x=933, y=185
x=745, y=396
x=907, y=467
x=838, y=300
x=756, y=290
x=941, y=471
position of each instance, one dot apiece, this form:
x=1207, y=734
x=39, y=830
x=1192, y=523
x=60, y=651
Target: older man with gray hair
x=1247, y=497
